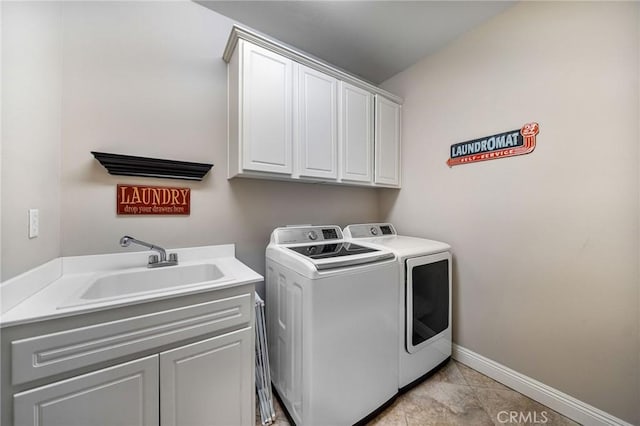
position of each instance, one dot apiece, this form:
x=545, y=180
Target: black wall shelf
x=129, y=165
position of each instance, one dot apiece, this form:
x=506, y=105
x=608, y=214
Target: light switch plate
x=34, y=223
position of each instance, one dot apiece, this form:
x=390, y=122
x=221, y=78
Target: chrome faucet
x=154, y=261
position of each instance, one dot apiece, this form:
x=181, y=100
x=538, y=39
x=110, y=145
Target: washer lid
x=339, y=254
x=325, y=247
x=323, y=251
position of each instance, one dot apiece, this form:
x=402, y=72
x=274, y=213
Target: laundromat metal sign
x=507, y=144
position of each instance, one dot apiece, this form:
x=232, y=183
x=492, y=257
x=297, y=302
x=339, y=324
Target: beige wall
x=545, y=245
x=147, y=78
x=31, y=132
x=1, y=138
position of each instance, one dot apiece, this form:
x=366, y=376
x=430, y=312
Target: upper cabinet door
x=356, y=133
x=387, y=142
x=317, y=130
x=266, y=129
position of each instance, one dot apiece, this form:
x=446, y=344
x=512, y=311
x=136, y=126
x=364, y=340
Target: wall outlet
x=34, y=223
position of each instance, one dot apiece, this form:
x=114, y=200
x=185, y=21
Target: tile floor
x=457, y=395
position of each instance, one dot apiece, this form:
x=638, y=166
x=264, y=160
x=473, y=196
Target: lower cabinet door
x=210, y=382
x=123, y=395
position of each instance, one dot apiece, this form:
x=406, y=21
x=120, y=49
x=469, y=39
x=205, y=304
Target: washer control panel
x=331, y=233
x=387, y=230
x=306, y=234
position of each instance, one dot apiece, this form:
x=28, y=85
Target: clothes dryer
x=424, y=295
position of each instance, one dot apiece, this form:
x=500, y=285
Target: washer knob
x=374, y=231
x=312, y=235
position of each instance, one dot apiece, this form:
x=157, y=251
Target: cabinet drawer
x=46, y=355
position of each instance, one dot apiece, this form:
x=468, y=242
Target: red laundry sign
x=507, y=144
x=153, y=200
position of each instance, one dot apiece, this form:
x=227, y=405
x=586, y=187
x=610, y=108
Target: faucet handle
x=153, y=259
x=173, y=257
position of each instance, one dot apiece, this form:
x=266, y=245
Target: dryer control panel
x=369, y=230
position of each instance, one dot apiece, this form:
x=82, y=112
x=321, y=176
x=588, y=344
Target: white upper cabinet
x=264, y=111
x=293, y=117
x=317, y=128
x=387, y=143
x=356, y=134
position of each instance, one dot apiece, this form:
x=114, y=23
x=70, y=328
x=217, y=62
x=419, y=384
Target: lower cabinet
x=205, y=383
x=123, y=395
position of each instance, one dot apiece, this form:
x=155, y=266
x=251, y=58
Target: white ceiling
x=372, y=39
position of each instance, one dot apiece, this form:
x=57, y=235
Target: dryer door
x=428, y=299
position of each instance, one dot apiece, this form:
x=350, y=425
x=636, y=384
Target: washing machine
x=332, y=312
x=424, y=295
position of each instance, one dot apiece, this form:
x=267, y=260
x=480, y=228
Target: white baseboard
x=564, y=404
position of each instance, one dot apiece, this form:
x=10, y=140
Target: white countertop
x=44, y=292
